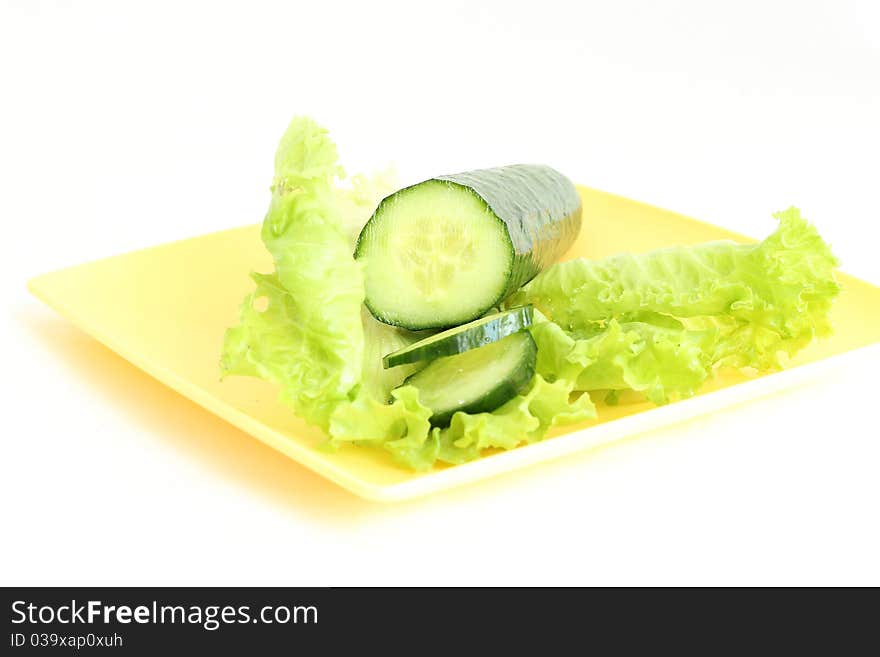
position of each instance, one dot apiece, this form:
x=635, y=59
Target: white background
x=129, y=124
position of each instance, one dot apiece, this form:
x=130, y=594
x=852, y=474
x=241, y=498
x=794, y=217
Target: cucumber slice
x=445, y=251
x=478, y=333
x=477, y=380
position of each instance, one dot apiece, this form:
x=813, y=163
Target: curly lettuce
x=661, y=322
x=301, y=327
x=658, y=323
x=524, y=419
x=305, y=328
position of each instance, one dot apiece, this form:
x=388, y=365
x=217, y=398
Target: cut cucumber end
x=439, y=243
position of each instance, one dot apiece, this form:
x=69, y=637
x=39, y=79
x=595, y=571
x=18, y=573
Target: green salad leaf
x=660, y=322
x=305, y=328
x=651, y=359
x=524, y=419
x=308, y=337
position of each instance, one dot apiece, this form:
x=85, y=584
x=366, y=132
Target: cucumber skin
x=503, y=391
x=540, y=207
x=506, y=324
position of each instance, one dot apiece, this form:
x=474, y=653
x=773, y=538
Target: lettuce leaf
x=784, y=283
x=271, y=343
x=305, y=327
x=403, y=429
x=524, y=419
x=659, y=323
x=308, y=337
x=654, y=360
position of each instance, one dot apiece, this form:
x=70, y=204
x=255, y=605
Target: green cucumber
x=447, y=250
x=476, y=381
x=478, y=333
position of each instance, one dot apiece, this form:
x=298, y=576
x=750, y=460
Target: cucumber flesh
x=478, y=333
x=445, y=251
x=476, y=381
x=435, y=257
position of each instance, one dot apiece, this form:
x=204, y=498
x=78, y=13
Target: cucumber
x=478, y=333
x=477, y=380
x=447, y=250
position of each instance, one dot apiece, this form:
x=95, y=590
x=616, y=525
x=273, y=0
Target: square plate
x=165, y=309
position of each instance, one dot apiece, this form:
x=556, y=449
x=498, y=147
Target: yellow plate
x=165, y=310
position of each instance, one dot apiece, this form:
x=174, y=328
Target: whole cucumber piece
x=445, y=251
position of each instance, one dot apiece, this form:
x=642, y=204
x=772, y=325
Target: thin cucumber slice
x=476, y=381
x=445, y=251
x=478, y=333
